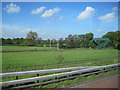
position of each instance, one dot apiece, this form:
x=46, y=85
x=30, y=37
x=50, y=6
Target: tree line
x=71, y=41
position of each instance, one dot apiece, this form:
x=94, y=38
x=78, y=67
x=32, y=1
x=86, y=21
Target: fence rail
x=62, y=79
x=45, y=77
x=41, y=71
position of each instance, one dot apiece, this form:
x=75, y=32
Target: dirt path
x=106, y=82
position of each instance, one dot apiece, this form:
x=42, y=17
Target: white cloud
x=88, y=13
x=100, y=30
x=108, y=17
x=61, y=18
x=48, y=34
x=50, y=12
x=12, y=31
x=114, y=8
x=39, y=10
x=42, y=33
x=26, y=30
x=12, y=8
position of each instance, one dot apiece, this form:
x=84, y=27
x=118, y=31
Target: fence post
x=55, y=77
x=69, y=71
x=16, y=79
x=37, y=80
x=104, y=69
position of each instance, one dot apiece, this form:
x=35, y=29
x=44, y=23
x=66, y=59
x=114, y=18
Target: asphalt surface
x=106, y=82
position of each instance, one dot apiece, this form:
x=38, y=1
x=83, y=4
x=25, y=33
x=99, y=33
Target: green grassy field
x=73, y=57
x=25, y=48
x=33, y=59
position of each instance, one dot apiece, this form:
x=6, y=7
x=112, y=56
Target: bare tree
x=59, y=59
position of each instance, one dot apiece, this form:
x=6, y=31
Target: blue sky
x=58, y=19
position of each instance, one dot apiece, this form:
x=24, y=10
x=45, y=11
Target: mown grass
x=72, y=57
x=26, y=48
x=79, y=57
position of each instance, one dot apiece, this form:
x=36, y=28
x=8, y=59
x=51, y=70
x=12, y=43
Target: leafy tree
x=32, y=35
x=9, y=41
x=77, y=41
x=89, y=37
x=61, y=42
x=39, y=40
x=115, y=39
x=53, y=42
x=32, y=38
x=22, y=41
